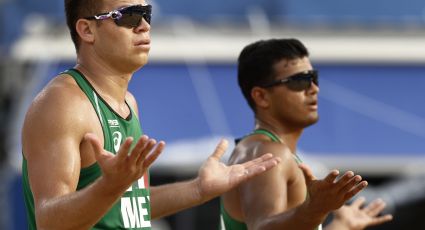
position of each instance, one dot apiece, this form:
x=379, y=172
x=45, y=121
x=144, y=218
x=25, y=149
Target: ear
x=85, y=29
x=260, y=97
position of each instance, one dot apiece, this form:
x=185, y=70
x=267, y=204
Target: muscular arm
x=54, y=132
x=265, y=200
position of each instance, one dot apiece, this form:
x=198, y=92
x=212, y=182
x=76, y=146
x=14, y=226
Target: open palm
x=216, y=177
x=357, y=217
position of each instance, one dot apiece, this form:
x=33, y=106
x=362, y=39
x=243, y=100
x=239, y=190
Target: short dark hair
x=76, y=9
x=256, y=62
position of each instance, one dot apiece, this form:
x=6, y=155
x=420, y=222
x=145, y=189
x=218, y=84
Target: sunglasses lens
x=132, y=16
x=129, y=20
x=316, y=79
x=299, y=83
x=303, y=81
x=147, y=18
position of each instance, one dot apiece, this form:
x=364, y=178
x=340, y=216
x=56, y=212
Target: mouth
x=313, y=105
x=143, y=43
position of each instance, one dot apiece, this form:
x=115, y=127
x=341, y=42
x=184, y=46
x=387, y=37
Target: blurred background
x=370, y=55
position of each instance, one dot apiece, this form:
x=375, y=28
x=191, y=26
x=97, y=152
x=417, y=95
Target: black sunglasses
x=299, y=81
x=129, y=16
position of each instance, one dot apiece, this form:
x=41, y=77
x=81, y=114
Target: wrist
x=110, y=189
x=198, y=193
x=315, y=214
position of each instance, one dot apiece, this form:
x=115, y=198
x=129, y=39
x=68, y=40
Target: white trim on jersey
x=97, y=107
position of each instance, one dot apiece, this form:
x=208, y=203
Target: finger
x=154, y=154
x=258, y=160
x=381, y=219
x=145, y=151
x=375, y=207
x=358, y=202
x=308, y=174
x=344, y=179
x=359, y=187
x=138, y=148
x=124, y=149
x=246, y=174
x=350, y=184
x=330, y=178
x=220, y=149
x=263, y=166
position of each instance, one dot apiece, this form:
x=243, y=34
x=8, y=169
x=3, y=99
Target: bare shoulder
x=59, y=109
x=52, y=136
x=255, y=146
x=61, y=97
x=244, y=203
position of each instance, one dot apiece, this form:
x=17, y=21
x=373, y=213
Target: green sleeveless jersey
x=132, y=210
x=229, y=223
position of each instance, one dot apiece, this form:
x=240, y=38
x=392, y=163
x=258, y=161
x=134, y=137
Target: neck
x=111, y=84
x=287, y=134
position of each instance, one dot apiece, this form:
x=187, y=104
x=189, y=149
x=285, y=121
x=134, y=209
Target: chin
x=141, y=61
x=311, y=121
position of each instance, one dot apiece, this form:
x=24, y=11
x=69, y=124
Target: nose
x=144, y=26
x=314, y=89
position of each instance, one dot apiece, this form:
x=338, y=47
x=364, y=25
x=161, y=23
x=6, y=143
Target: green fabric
x=275, y=138
x=132, y=211
x=229, y=223
x=28, y=198
x=226, y=221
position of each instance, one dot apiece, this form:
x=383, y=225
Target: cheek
x=292, y=102
x=115, y=36
x=115, y=45
x=294, y=107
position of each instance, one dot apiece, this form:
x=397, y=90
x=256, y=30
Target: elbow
x=41, y=220
x=45, y=222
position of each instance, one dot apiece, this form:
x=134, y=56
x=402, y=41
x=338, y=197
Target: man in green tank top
x=86, y=159
x=281, y=87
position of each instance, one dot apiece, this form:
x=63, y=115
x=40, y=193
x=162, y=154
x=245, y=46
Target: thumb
x=95, y=144
x=308, y=174
x=220, y=149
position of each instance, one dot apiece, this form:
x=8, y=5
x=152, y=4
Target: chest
x=111, y=131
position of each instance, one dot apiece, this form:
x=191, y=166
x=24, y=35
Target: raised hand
x=331, y=193
x=357, y=217
x=215, y=178
x=128, y=165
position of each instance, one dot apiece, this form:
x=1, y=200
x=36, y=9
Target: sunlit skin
x=72, y=137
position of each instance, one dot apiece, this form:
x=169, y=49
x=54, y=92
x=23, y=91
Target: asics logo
x=117, y=137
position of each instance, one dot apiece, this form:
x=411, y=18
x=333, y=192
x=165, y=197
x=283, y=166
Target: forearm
x=171, y=198
x=300, y=218
x=78, y=210
x=337, y=225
